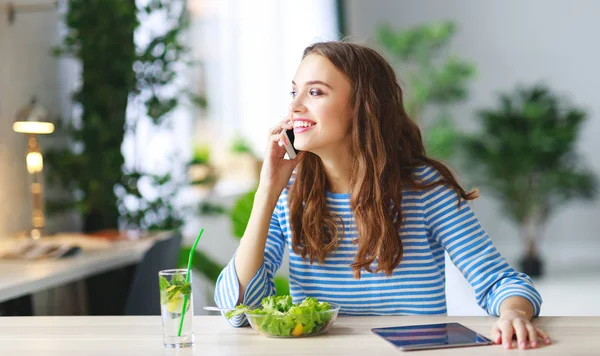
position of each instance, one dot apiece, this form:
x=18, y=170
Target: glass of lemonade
x=173, y=292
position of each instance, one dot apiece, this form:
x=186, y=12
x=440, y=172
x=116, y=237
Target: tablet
x=431, y=336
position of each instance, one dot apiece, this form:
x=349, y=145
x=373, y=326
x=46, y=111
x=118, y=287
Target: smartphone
x=290, y=149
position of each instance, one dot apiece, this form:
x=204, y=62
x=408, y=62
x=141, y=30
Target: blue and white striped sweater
x=433, y=222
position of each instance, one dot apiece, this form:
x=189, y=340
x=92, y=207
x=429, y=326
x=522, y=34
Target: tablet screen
x=431, y=336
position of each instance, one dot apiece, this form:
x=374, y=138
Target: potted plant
x=201, y=172
x=434, y=80
x=242, y=163
x=525, y=154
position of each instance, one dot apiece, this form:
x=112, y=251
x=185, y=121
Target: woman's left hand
x=514, y=322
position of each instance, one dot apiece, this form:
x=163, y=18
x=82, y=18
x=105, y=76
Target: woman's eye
x=312, y=92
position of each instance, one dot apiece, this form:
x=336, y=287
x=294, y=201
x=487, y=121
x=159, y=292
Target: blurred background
x=126, y=126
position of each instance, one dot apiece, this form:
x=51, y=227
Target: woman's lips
x=299, y=123
x=298, y=130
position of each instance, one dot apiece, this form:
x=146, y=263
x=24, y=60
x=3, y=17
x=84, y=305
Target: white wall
x=26, y=69
x=517, y=41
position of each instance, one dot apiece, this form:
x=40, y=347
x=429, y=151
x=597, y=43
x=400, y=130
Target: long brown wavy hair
x=385, y=150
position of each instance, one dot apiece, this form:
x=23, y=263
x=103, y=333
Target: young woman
x=365, y=214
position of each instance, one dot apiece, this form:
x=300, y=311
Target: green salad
x=285, y=318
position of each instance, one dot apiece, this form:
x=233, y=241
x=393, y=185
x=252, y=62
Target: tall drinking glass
x=173, y=292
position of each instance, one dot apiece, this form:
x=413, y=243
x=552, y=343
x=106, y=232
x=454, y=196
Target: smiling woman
x=367, y=215
x=320, y=95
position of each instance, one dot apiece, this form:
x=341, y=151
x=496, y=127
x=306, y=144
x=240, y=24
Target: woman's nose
x=297, y=106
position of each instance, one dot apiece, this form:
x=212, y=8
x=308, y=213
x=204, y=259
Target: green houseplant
x=101, y=37
x=200, y=170
x=242, y=161
x=434, y=80
x=123, y=83
x=240, y=145
x=201, y=154
x=525, y=154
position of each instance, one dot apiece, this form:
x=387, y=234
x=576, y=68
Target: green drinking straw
x=187, y=280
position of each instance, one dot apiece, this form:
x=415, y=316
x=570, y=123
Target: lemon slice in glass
x=175, y=304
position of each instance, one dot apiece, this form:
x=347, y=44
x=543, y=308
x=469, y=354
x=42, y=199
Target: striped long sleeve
x=458, y=231
x=433, y=222
x=227, y=290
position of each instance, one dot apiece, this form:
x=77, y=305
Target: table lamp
x=32, y=120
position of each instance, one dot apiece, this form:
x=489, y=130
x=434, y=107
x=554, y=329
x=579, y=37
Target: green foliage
x=526, y=154
x=241, y=145
x=282, y=285
x=211, y=269
x=202, y=263
x=209, y=180
x=198, y=100
x=434, y=81
x=150, y=213
x=101, y=36
x=117, y=75
x=240, y=214
x=156, y=68
x=201, y=155
x=208, y=208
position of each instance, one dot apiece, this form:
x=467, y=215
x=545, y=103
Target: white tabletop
x=18, y=277
x=122, y=335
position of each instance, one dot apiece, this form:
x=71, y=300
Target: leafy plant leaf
x=434, y=80
x=240, y=214
x=525, y=154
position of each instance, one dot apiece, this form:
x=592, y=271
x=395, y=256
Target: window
x=250, y=51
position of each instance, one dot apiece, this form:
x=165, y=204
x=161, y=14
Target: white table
x=122, y=335
x=18, y=278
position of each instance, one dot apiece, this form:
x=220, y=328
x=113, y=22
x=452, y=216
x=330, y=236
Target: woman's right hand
x=276, y=171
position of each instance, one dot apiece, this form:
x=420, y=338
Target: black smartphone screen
x=291, y=137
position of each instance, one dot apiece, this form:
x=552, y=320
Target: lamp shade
x=33, y=119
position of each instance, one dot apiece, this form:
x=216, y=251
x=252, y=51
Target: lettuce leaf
x=284, y=316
